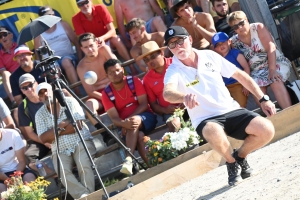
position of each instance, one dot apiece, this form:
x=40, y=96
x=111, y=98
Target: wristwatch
x=264, y=98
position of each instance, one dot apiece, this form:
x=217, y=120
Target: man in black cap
x=199, y=25
x=195, y=79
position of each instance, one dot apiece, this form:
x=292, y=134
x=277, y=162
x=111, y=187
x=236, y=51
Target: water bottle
x=40, y=168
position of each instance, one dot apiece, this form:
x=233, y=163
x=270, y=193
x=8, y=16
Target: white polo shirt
x=212, y=94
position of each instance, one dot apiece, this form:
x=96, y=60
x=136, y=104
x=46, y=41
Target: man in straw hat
x=153, y=81
x=199, y=25
x=195, y=79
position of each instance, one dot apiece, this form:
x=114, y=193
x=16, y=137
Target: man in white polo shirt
x=195, y=79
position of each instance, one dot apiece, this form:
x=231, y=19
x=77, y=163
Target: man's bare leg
x=260, y=132
x=158, y=25
x=214, y=134
x=71, y=73
x=94, y=105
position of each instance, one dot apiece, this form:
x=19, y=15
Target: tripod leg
x=100, y=122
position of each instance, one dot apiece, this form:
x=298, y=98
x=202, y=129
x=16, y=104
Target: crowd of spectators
x=131, y=104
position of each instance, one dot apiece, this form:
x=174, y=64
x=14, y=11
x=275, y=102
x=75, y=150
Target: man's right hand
x=170, y=109
x=131, y=123
x=190, y=101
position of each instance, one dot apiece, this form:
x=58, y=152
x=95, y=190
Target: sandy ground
x=277, y=176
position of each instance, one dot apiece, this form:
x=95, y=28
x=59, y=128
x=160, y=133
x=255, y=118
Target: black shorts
x=25, y=171
x=35, y=151
x=234, y=123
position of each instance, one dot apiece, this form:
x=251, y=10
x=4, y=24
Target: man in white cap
x=7, y=64
x=23, y=56
x=195, y=79
x=153, y=82
x=71, y=149
x=36, y=149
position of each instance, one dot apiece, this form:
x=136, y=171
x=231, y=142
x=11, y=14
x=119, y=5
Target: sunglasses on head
x=83, y=3
x=27, y=86
x=151, y=57
x=3, y=35
x=236, y=26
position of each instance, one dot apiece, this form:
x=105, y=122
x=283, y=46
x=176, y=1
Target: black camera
x=43, y=51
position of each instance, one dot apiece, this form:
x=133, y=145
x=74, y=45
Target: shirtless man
x=137, y=31
x=93, y=61
x=199, y=25
x=143, y=10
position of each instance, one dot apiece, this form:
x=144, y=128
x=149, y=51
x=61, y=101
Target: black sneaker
x=108, y=139
x=234, y=173
x=246, y=169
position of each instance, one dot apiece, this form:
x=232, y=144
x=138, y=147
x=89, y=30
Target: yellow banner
x=16, y=14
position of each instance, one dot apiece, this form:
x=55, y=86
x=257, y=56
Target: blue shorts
x=148, y=25
x=71, y=57
x=148, y=120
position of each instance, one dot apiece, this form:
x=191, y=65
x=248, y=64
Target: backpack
x=293, y=90
x=130, y=83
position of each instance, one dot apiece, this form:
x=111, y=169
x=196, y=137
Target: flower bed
x=171, y=144
x=17, y=190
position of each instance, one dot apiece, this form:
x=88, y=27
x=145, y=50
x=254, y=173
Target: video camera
x=47, y=62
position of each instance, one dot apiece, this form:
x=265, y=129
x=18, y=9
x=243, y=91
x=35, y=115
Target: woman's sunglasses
x=236, y=26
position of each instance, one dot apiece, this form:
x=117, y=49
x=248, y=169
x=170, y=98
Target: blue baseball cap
x=219, y=37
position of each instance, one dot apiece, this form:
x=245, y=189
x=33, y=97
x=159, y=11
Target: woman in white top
x=268, y=66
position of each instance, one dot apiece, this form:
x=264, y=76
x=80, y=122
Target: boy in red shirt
x=157, y=64
x=125, y=101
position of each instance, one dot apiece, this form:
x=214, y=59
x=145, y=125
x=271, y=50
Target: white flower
x=27, y=188
x=4, y=195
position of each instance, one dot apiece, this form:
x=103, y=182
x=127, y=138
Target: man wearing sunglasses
x=36, y=149
x=195, y=79
x=23, y=56
x=97, y=20
x=7, y=64
x=153, y=82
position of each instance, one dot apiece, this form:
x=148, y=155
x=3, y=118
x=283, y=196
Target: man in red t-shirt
x=97, y=20
x=125, y=101
x=153, y=57
x=7, y=64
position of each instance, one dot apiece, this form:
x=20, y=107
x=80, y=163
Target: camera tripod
x=57, y=85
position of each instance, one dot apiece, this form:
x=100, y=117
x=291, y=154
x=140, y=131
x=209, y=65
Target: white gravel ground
x=277, y=176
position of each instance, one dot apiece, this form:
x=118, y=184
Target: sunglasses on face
x=27, y=86
x=83, y=3
x=180, y=41
x=3, y=35
x=151, y=57
x=236, y=26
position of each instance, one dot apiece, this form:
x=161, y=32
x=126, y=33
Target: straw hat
x=148, y=48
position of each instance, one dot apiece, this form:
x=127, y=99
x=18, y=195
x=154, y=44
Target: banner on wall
x=15, y=14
